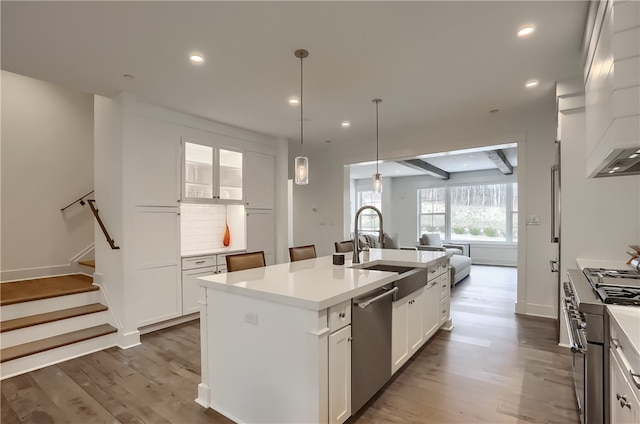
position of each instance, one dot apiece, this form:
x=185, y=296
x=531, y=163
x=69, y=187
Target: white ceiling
x=432, y=63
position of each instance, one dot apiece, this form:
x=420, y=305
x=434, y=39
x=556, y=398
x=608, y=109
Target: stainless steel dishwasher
x=371, y=344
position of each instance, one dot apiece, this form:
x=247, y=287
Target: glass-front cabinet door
x=198, y=171
x=230, y=171
x=211, y=174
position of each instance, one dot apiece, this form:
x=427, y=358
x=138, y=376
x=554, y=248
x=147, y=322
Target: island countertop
x=316, y=283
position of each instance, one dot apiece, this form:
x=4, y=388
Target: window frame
x=511, y=211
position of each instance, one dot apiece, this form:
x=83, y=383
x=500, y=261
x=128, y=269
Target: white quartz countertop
x=210, y=252
x=598, y=263
x=628, y=317
x=316, y=283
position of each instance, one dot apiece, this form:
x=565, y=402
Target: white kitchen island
x=275, y=340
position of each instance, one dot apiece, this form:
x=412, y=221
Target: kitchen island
x=275, y=340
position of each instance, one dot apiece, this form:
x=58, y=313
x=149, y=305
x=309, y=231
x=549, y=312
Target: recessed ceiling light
x=196, y=58
x=294, y=101
x=345, y=124
x=526, y=30
x=531, y=83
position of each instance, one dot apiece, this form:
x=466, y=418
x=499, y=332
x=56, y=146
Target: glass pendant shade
x=302, y=170
x=377, y=183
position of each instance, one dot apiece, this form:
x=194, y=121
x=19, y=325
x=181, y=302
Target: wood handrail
x=104, y=229
x=81, y=200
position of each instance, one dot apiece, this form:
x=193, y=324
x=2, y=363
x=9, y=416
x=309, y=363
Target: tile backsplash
x=202, y=227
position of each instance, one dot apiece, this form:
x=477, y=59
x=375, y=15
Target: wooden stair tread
x=29, y=321
x=44, y=288
x=19, y=351
x=91, y=263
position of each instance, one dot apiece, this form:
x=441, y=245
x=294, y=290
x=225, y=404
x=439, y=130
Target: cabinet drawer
x=444, y=266
x=433, y=271
x=339, y=315
x=198, y=262
x=443, y=282
x=444, y=310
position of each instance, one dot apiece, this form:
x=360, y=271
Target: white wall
x=47, y=162
x=126, y=133
x=535, y=136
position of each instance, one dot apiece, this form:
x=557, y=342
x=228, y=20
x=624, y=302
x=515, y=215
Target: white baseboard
x=203, y=395
x=33, y=273
x=169, y=323
x=125, y=341
x=532, y=309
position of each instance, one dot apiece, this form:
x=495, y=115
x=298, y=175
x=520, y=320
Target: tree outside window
x=481, y=212
x=432, y=211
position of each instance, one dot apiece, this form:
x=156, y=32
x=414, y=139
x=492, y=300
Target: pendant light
x=301, y=164
x=377, y=178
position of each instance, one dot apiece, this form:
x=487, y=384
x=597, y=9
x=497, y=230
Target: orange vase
x=226, y=241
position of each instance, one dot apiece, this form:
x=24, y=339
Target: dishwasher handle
x=364, y=303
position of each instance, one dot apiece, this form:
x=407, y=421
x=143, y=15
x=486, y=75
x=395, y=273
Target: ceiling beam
x=429, y=169
x=500, y=160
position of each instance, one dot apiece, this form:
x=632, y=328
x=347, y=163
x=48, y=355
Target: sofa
x=460, y=261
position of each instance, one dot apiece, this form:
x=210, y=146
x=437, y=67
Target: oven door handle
x=575, y=345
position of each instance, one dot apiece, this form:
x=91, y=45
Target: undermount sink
x=388, y=268
x=409, y=279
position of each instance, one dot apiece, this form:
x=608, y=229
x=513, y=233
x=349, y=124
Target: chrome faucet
x=356, y=240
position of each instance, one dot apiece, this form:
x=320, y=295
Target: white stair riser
x=50, y=329
x=54, y=356
x=35, y=307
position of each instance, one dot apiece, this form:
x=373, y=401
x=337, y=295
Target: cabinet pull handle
x=615, y=343
x=199, y=262
x=350, y=338
x=342, y=315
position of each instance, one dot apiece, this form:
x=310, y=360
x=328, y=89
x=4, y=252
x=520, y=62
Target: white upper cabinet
x=211, y=174
x=154, y=171
x=612, y=89
x=259, y=181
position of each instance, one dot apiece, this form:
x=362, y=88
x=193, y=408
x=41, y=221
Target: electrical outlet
x=251, y=318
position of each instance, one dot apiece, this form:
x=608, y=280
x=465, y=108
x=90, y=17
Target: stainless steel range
x=584, y=308
x=615, y=285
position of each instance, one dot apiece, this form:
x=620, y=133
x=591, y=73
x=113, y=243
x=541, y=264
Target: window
x=481, y=212
x=368, y=218
x=432, y=211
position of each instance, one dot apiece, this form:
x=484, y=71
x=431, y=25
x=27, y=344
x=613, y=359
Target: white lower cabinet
x=625, y=406
x=340, y=375
x=417, y=317
x=406, y=328
x=156, y=261
x=445, y=297
x=192, y=292
x=192, y=268
x=431, y=313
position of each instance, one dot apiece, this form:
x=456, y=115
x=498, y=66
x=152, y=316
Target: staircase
x=50, y=320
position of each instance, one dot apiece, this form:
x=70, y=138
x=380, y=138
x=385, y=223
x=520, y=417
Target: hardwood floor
x=494, y=367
